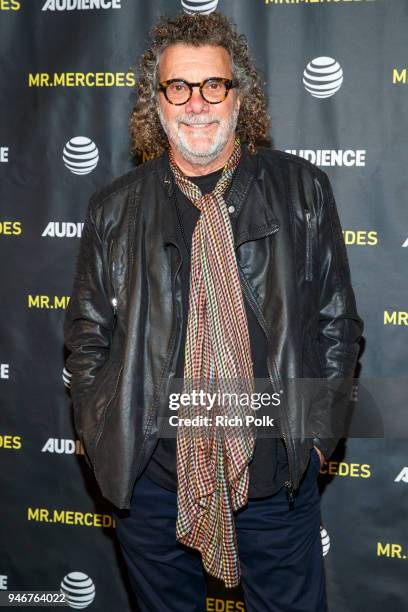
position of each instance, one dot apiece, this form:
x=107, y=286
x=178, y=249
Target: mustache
x=196, y=120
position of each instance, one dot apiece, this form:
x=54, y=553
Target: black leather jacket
x=124, y=318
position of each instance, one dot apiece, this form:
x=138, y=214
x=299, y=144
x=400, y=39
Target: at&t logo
x=325, y=540
x=323, y=77
x=205, y=7
x=79, y=590
x=80, y=155
x=66, y=378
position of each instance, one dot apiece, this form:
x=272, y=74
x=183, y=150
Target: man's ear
x=239, y=100
x=158, y=107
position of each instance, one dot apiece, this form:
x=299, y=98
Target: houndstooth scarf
x=212, y=460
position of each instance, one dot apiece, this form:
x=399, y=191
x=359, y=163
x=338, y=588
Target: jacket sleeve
x=340, y=326
x=89, y=319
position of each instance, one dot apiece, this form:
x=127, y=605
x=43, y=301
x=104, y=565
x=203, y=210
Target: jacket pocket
x=101, y=426
x=94, y=404
x=309, y=247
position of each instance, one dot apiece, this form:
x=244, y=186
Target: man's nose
x=196, y=104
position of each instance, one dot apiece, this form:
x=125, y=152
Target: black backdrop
x=67, y=89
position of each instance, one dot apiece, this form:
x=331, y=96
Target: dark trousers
x=280, y=551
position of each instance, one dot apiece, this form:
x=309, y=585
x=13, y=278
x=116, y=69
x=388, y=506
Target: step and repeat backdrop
x=336, y=74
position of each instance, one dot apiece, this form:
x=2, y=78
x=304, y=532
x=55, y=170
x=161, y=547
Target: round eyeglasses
x=213, y=90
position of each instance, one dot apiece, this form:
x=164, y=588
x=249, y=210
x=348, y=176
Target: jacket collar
x=252, y=215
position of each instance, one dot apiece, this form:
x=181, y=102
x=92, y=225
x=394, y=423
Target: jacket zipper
x=114, y=300
x=167, y=367
x=309, y=272
x=288, y=483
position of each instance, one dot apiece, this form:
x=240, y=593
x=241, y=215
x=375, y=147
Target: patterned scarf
x=212, y=460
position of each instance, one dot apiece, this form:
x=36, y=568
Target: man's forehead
x=204, y=60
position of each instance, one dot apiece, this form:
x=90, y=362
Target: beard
x=199, y=155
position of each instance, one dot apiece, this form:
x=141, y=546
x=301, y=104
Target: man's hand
x=321, y=456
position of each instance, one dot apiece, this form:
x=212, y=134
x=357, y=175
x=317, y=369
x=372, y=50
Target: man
x=219, y=261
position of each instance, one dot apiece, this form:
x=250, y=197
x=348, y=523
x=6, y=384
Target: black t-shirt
x=268, y=469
